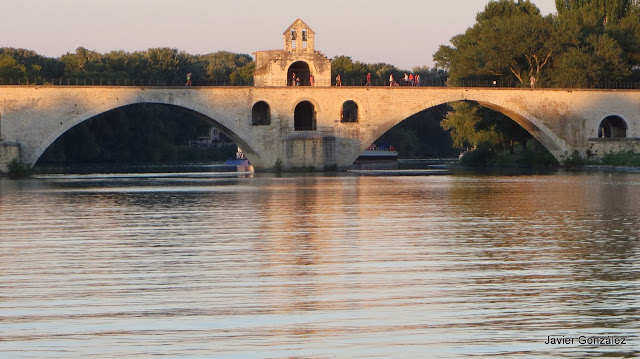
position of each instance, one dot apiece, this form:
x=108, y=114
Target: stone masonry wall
x=599, y=147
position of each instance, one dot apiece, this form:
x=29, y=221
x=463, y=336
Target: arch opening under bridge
x=534, y=126
x=191, y=115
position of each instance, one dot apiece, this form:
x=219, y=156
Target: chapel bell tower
x=298, y=38
x=297, y=64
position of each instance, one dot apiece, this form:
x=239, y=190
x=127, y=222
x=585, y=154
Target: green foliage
x=608, y=10
x=510, y=41
x=278, y=166
x=471, y=125
x=461, y=123
x=590, y=43
x=598, y=49
x=156, y=65
x=18, y=169
x=530, y=157
x=420, y=135
x=355, y=73
x=351, y=73
x=479, y=157
x=574, y=160
x=10, y=68
x=243, y=76
x=628, y=159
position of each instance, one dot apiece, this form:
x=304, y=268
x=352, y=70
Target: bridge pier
x=9, y=151
x=318, y=152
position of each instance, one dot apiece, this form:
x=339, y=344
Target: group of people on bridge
x=407, y=80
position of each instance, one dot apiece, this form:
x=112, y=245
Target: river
x=355, y=265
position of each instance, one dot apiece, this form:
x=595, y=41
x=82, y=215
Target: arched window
x=349, y=112
x=293, y=38
x=304, y=38
x=304, y=117
x=261, y=114
x=302, y=73
x=612, y=127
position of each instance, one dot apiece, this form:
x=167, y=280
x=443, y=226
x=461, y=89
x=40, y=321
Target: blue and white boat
x=240, y=159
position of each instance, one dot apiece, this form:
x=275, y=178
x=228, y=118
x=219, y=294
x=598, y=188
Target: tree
x=351, y=73
x=601, y=45
x=163, y=63
x=510, y=41
x=83, y=63
x=598, y=61
x=10, y=68
x=464, y=122
x=243, y=76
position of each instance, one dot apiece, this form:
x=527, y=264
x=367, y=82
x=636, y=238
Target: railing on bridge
x=67, y=81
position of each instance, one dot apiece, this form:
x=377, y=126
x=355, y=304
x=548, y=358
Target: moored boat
x=239, y=160
x=379, y=152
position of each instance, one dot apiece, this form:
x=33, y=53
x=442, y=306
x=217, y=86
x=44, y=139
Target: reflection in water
x=311, y=266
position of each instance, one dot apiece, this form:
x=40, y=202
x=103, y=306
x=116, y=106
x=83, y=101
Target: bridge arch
x=221, y=123
x=533, y=125
x=613, y=127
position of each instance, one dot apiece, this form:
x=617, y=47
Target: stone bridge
x=293, y=127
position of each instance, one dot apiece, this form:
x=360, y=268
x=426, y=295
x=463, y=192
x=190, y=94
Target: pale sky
x=403, y=33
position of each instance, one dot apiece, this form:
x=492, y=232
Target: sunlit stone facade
x=298, y=57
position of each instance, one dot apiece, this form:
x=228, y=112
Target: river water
x=358, y=265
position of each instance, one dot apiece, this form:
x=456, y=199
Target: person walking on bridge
x=189, y=79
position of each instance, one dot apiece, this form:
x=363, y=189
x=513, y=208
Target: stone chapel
x=298, y=64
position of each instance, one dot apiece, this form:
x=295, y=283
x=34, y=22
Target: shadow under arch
x=534, y=126
x=64, y=127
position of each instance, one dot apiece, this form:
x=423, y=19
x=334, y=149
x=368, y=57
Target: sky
x=403, y=33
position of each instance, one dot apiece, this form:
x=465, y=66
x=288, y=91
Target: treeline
x=167, y=66
x=354, y=73
x=164, y=66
